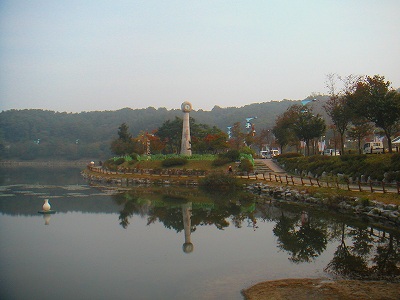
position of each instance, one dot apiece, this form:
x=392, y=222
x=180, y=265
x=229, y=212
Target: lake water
x=168, y=243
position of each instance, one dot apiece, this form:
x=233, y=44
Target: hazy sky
x=85, y=55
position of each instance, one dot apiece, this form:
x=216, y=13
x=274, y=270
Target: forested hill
x=88, y=134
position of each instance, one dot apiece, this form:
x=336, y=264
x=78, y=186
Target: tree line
x=365, y=105
x=42, y=134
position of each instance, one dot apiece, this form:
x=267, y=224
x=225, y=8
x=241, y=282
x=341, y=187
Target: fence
x=370, y=186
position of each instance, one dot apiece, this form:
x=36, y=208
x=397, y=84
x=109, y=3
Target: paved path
x=270, y=164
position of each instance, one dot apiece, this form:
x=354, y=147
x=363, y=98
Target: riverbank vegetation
x=357, y=167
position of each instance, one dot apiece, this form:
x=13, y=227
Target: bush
x=232, y=155
x=135, y=156
x=246, y=165
x=289, y=155
x=220, y=161
x=353, y=157
x=119, y=161
x=248, y=157
x=395, y=161
x=175, y=161
x=247, y=150
x=218, y=181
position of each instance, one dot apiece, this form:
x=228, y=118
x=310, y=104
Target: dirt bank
x=320, y=289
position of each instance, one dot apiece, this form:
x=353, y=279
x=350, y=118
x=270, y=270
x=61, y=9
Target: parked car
x=331, y=152
x=264, y=153
x=373, y=147
x=269, y=153
x=274, y=153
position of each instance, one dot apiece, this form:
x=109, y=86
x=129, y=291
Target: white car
x=331, y=152
x=269, y=153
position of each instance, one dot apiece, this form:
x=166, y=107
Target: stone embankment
x=387, y=214
x=119, y=180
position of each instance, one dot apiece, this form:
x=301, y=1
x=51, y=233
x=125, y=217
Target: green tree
x=124, y=144
x=263, y=138
x=307, y=126
x=123, y=133
x=374, y=99
x=283, y=129
x=359, y=129
x=337, y=106
x=170, y=133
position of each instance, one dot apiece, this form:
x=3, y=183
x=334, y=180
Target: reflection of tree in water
x=362, y=252
x=133, y=204
x=387, y=258
x=346, y=261
x=365, y=255
x=303, y=237
x=167, y=209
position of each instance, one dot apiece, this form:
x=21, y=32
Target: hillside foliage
x=42, y=134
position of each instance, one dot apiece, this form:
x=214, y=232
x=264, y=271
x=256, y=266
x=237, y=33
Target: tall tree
x=124, y=144
x=237, y=136
x=374, y=99
x=337, y=108
x=359, y=129
x=283, y=129
x=170, y=133
x=123, y=133
x=307, y=126
x=263, y=138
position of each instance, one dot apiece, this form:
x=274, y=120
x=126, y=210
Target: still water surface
x=167, y=243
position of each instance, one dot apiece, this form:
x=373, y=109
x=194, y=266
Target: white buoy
x=46, y=205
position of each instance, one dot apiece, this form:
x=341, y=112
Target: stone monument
x=185, y=145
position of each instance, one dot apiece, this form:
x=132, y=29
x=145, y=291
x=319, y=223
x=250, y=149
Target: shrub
x=353, y=157
x=289, y=155
x=174, y=161
x=220, y=161
x=233, y=155
x=135, y=156
x=247, y=156
x=119, y=161
x=247, y=150
x=246, y=165
x=219, y=181
x=395, y=161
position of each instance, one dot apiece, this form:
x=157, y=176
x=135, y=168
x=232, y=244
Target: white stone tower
x=186, y=148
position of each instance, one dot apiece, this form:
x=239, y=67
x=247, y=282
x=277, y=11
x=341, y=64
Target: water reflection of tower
x=186, y=214
x=46, y=218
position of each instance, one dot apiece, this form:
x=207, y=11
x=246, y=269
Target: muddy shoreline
x=322, y=289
